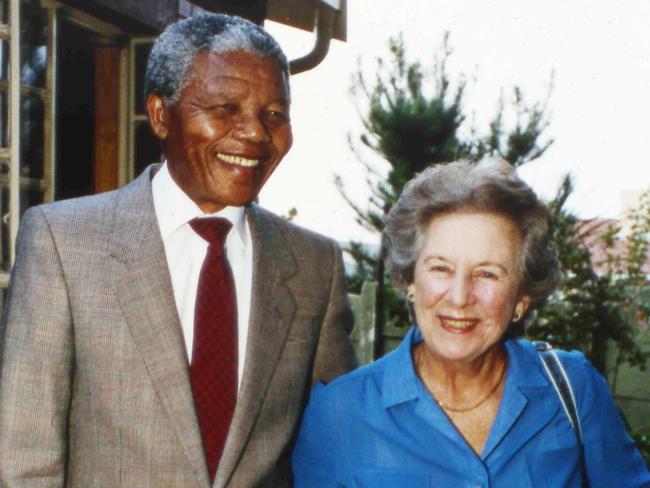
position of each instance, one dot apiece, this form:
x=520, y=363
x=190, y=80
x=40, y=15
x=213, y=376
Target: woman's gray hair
x=490, y=186
x=173, y=53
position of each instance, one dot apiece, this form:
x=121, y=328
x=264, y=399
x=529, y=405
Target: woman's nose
x=461, y=291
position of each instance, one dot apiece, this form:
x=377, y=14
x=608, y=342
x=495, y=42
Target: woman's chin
x=459, y=350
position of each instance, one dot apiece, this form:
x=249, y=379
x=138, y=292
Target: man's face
x=229, y=129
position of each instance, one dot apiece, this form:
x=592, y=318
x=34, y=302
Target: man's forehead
x=236, y=64
x=213, y=70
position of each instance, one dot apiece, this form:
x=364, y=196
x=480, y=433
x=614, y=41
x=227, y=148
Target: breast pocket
x=390, y=478
x=556, y=467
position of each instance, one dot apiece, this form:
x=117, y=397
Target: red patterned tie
x=213, y=371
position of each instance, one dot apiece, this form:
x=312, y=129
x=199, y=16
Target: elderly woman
x=460, y=403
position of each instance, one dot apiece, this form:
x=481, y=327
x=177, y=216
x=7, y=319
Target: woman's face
x=466, y=283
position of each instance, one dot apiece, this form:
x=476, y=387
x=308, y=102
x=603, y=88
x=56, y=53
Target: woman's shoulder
x=580, y=371
x=353, y=381
x=574, y=356
x=372, y=379
x=362, y=391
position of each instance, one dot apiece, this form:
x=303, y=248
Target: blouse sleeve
x=611, y=458
x=315, y=456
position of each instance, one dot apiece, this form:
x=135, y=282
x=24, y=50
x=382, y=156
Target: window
x=26, y=108
x=144, y=147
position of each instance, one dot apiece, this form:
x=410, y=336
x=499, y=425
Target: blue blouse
x=379, y=427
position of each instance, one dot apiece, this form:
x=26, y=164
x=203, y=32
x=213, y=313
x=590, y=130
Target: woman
x=460, y=403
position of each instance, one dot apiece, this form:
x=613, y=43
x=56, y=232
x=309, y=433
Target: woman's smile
x=456, y=325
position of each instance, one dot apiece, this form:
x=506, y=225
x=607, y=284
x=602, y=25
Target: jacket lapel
x=147, y=300
x=272, y=310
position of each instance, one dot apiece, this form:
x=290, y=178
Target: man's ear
x=158, y=113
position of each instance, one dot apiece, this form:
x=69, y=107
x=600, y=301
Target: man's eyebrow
x=282, y=101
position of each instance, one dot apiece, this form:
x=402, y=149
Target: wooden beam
x=142, y=17
x=302, y=14
x=107, y=118
x=253, y=10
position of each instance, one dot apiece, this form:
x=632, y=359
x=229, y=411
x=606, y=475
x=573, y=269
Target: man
x=144, y=345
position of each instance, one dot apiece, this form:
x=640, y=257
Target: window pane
x=33, y=45
x=4, y=60
x=4, y=13
x=141, y=55
x=4, y=118
x=29, y=198
x=31, y=136
x=4, y=229
x=147, y=147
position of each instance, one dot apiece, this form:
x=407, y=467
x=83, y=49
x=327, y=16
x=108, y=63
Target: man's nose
x=461, y=291
x=251, y=129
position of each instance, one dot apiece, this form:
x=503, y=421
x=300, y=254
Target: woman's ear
x=158, y=113
x=410, y=293
x=522, y=307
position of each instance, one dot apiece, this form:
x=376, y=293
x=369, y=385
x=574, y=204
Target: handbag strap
x=560, y=380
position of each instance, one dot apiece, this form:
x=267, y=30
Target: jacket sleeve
x=611, y=458
x=335, y=354
x=36, y=362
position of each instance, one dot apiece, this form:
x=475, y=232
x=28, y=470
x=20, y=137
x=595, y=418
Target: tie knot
x=213, y=229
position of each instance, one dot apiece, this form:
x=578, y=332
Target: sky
x=595, y=53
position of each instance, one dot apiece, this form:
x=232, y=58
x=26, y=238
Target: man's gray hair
x=491, y=186
x=173, y=53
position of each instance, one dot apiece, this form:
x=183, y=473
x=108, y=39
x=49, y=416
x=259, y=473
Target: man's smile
x=238, y=160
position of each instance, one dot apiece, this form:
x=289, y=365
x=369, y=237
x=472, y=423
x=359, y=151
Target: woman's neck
x=460, y=384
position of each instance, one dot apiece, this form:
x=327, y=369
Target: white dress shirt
x=185, y=251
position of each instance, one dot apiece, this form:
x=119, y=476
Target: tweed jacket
x=94, y=378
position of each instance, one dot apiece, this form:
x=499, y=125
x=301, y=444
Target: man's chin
x=210, y=205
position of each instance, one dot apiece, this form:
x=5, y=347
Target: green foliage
x=413, y=118
x=598, y=301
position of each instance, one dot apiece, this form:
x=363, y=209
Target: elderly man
x=166, y=334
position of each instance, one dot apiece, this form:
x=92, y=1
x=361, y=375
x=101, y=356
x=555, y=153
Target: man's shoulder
x=94, y=208
x=293, y=232
x=87, y=222
x=91, y=205
x=76, y=218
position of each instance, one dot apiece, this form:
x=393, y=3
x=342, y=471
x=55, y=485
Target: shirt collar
x=525, y=368
x=174, y=209
x=399, y=383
